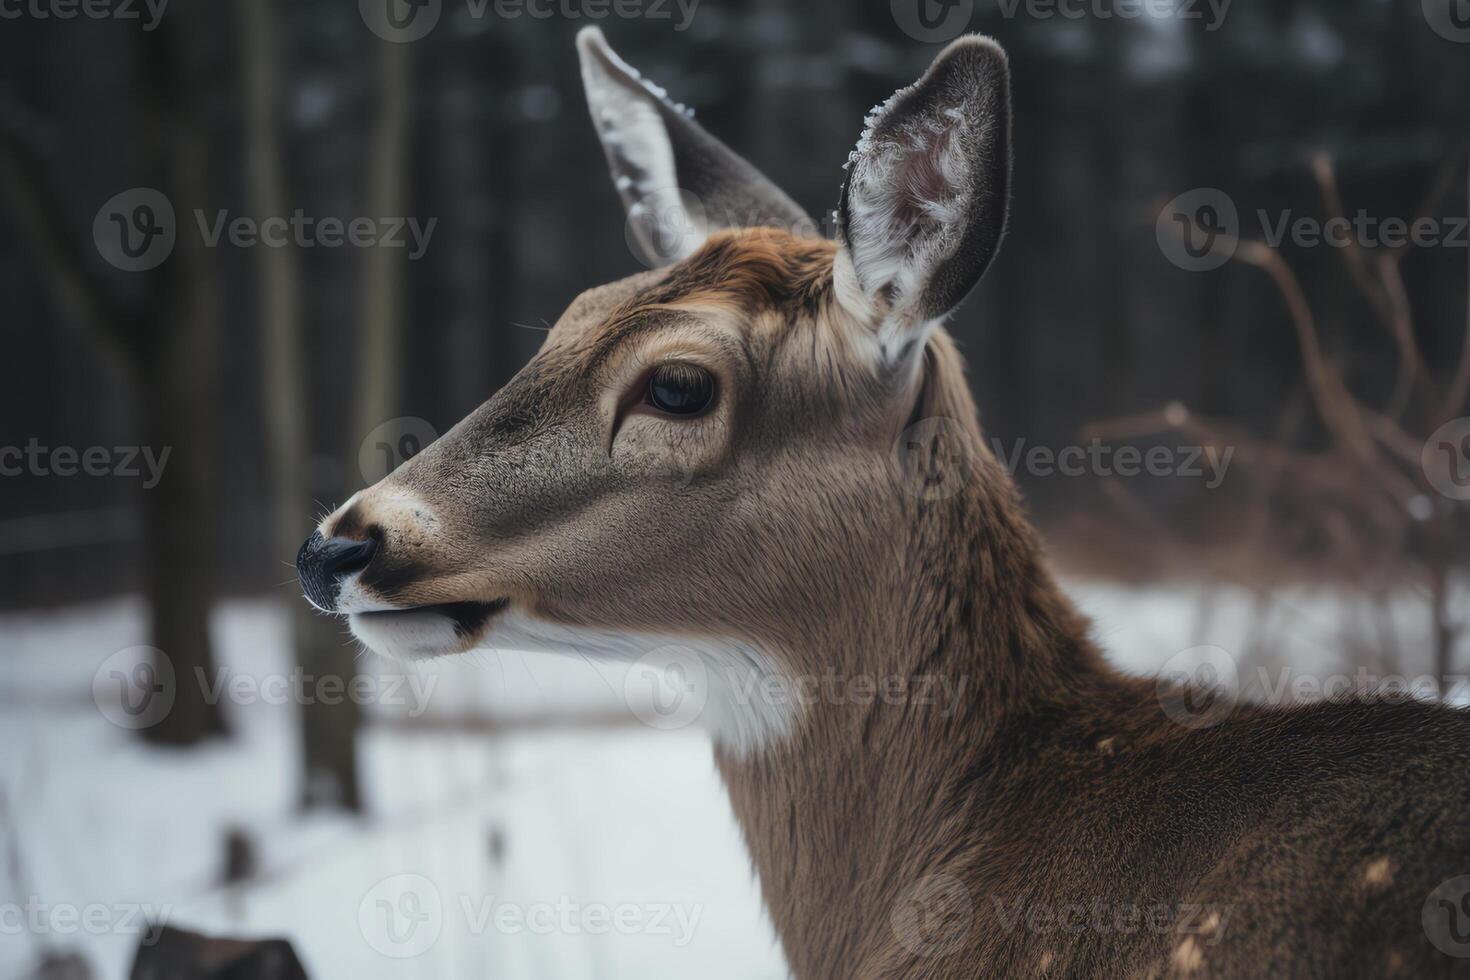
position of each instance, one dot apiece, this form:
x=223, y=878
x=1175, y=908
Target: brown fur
x=1295, y=842
x=836, y=516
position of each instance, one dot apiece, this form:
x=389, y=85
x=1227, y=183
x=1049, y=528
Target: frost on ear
x=677, y=182
x=924, y=205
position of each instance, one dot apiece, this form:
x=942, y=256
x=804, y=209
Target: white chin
x=410, y=635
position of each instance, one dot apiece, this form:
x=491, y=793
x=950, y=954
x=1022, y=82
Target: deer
x=762, y=451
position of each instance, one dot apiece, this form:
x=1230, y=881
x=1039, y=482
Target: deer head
x=704, y=453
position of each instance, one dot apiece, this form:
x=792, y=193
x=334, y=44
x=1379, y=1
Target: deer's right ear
x=678, y=183
x=924, y=205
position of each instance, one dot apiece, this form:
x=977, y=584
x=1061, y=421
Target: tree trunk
x=328, y=731
x=180, y=355
x=382, y=286
x=178, y=522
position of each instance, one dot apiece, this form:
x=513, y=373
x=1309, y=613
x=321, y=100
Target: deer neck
x=861, y=798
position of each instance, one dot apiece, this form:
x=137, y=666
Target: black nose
x=322, y=563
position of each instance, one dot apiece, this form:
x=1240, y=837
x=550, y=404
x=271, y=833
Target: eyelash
x=638, y=397
x=680, y=378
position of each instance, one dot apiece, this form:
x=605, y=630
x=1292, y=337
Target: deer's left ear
x=924, y=205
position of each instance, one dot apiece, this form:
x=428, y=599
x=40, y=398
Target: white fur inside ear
x=632, y=133
x=909, y=198
x=626, y=114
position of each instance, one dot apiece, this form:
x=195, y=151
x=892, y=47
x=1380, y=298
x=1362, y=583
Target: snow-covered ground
x=566, y=850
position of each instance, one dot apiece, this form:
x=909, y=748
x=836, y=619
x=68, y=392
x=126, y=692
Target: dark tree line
x=265, y=369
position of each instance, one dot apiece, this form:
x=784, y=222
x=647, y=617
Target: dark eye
x=680, y=389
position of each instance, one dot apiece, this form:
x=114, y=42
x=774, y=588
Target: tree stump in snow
x=180, y=955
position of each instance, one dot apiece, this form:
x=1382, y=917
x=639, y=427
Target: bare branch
x=1444, y=179
x=1336, y=405
x=1411, y=358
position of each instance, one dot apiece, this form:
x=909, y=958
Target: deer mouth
x=424, y=632
x=468, y=617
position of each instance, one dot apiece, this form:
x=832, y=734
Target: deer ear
x=678, y=183
x=923, y=208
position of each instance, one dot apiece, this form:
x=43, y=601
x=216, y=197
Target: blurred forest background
x=266, y=370
x=277, y=375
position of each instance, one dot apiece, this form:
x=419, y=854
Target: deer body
x=836, y=515
x=1093, y=835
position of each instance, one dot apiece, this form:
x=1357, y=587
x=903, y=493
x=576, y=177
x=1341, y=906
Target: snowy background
x=525, y=822
x=564, y=840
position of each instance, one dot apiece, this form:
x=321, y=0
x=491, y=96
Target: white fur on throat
x=745, y=704
x=737, y=692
